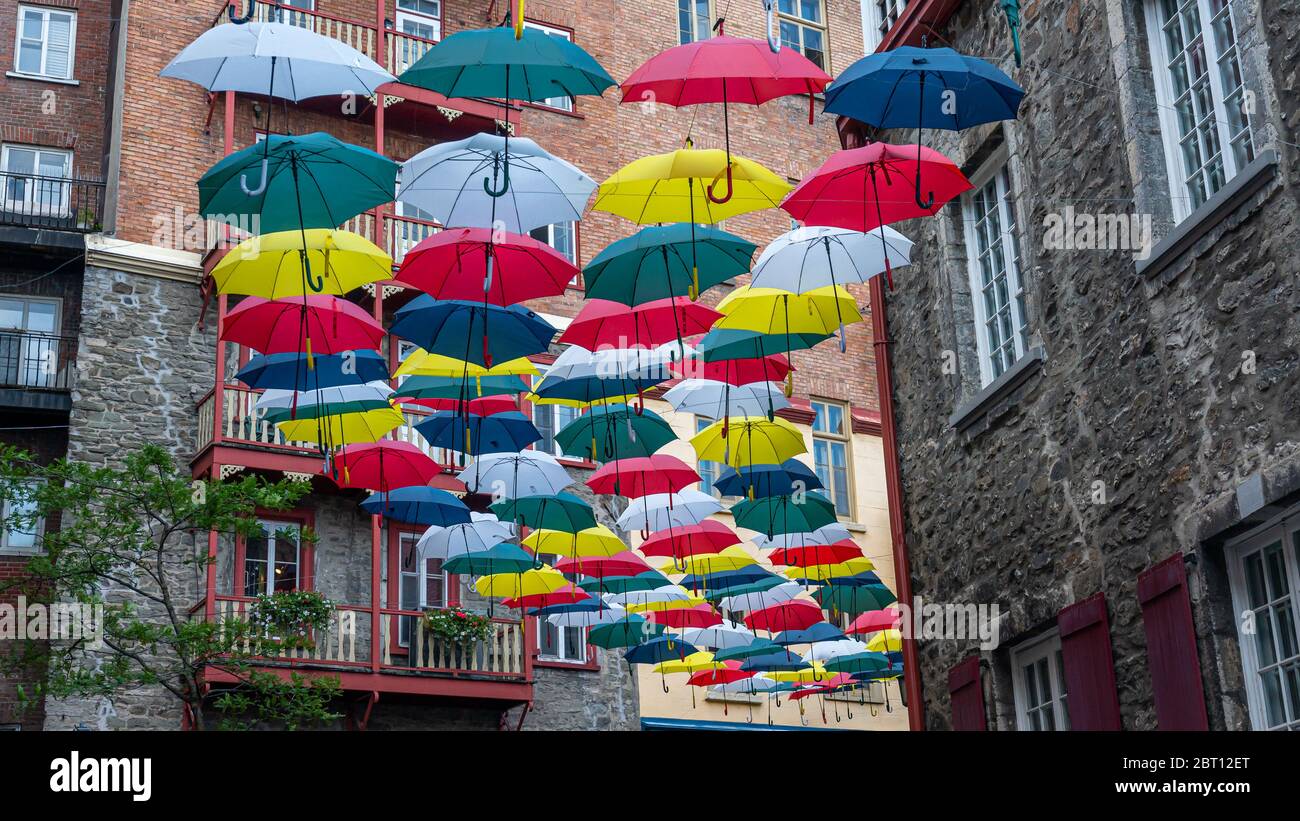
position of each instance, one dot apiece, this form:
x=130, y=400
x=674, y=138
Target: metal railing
x=57, y=203
x=36, y=361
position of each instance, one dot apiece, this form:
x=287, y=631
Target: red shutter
x=1171, y=646
x=1089, y=669
x=967, y=694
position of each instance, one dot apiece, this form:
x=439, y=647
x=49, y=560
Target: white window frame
x=832, y=439
x=29, y=204
x=803, y=23
x=31, y=350
x=561, y=633
x=434, y=20
x=715, y=468
x=878, y=17
x=39, y=532
x=46, y=13
x=557, y=103
x=1179, y=191
x=696, y=36
x=1046, y=647
x=573, y=244
x=556, y=424
x=1286, y=530
x=273, y=528
x=997, y=172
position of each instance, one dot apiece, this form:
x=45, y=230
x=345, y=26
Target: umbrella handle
x=773, y=41
x=730, y=190
x=519, y=21
x=248, y=15
x=505, y=181
x=243, y=178
x=926, y=204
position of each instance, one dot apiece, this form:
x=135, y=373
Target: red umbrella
x=325, y=323
x=626, y=563
x=796, y=614
x=864, y=188
x=830, y=684
x=730, y=671
x=699, y=616
x=874, y=621
x=812, y=554
x=454, y=264
x=383, y=466
x=772, y=368
x=643, y=475
x=565, y=595
x=708, y=536
x=482, y=406
x=605, y=323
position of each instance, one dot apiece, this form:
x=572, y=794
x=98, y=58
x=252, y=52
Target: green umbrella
x=456, y=387
x=607, y=432
x=562, y=511
x=500, y=558
x=745, y=589
x=628, y=632
x=857, y=663
x=785, y=514
x=650, y=580
x=656, y=263
x=854, y=599
x=758, y=647
x=733, y=343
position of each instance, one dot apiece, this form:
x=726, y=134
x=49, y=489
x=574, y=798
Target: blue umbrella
x=767, y=480
x=499, y=558
x=822, y=631
x=781, y=660
x=457, y=387
x=864, y=579
x=450, y=326
x=661, y=649
x=418, y=505
x=926, y=88
x=498, y=433
x=292, y=371
x=757, y=648
x=726, y=578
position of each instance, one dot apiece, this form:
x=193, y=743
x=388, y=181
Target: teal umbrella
x=867, y=662
x=744, y=589
x=500, y=558
x=457, y=387
x=628, y=632
x=657, y=263
x=561, y=511
x=650, y=580
x=608, y=432
x=784, y=514
x=734, y=343
x=854, y=599
x=758, y=647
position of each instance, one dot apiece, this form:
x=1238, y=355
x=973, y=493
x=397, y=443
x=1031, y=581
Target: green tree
x=130, y=540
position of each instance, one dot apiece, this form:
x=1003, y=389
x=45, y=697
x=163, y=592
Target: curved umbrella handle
x=505, y=181
x=730, y=188
x=315, y=283
x=248, y=15
x=926, y=204
x=261, y=186
x=773, y=41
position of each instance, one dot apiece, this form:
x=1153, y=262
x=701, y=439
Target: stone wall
x=1127, y=446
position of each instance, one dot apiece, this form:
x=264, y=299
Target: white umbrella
x=716, y=399
x=532, y=188
x=757, y=683
x=661, y=511
x=448, y=542
x=667, y=593
x=511, y=475
x=280, y=399
x=588, y=618
x=762, y=599
x=719, y=636
x=824, y=650
x=827, y=534
x=814, y=257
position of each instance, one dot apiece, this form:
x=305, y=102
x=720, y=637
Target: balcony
x=36, y=370
x=51, y=203
x=499, y=668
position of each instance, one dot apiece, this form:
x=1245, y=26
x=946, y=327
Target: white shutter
x=58, y=45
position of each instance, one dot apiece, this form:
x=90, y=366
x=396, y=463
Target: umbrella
x=418, y=505
x=779, y=313
x=729, y=558
x=816, y=554
x=758, y=647
x=661, y=511
x=558, y=511
x=784, y=514
x=591, y=541
x=715, y=581
x=341, y=428
x=420, y=362
x=626, y=632
x=455, y=264
x=566, y=594
x=660, y=598
x=672, y=188
x=277, y=404
x=484, y=406
x=650, y=580
x=528, y=583
x=642, y=475
x=603, y=615
x=795, y=614
x=875, y=620
x=890, y=641
x=740, y=595
x=659, y=649
x=272, y=265
x=608, y=431
x=735, y=372
x=474, y=535
x=826, y=650
x=719, y=400
x=657, y=262
x=693, y=663
x=279, y=325
x=819, y=256
x=821, y=631
x=699, y=616
x=289, y=371
x=708, y=536
x=869, y=662
x=383, y=466
x=511, y=475
x=448, y=180
x=719, y=636
x=625, y=563
x=760, y=481
x=601, y=323
x=727, y=672
x=854, y=599
x=823, y=572
x=580, y=377
x=827, y=534
x=449, y=327
x=498, y=433
x=762, y=599
x=778, y=661
x=749, y=440
x=462, y=392
x=730, y=343
x=499, y=558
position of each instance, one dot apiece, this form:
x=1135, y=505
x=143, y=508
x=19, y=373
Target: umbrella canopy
x=785, y=514
x=819, y=256
x=780, y=660
x=708, y=536
x=825, y=650
x=762, y=599
x=735, y=372
x=499, y=558
x=277, y=405
x=451, y=327
x=869, y=662
x=651, y=580
x=418, y=505
x=749, y=440
x=827, y=534
x=658, y=650
x=700, y=615
x=657, y=263
x=280, y=325
x=305, y=64
x=384, y=465
x=720, y=636
x=643, y=475
x=758, y=647
x=760, y=481
x=693, y=663
x=824, y=572
x=796, y=614
x=498, y=433
x=672, y=188
x=661, y=511
x=821, y=631
x=475, y=535
x=886, y=641
x=512, y=475
x=342, y=428
x=313, y=181
x=580, y=377
x=558, y=511
x=723, y=69
x=874, y=621
x=271, y=265
x=725, y=672
x=626, y=632
x=471, y=264
x=448, y=181
x=484, y=406
x=462, y=392
x=514, y=585
x=777, y=313
x=730, y=343
x=499, y=62
x=420, y=362
x=625, y=563
x=610, y=431
x=719, y=400
x=601, y=323
x=854, y=599
x=591, y=541
x=816, y=554
x=567, y=594
x=729, y=558
x=295, y=371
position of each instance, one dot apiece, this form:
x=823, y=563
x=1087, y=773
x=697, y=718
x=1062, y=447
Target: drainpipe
x=894, y=493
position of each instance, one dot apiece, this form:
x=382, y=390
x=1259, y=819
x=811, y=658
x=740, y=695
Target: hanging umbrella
x=661, y=511
x=454, y=264
x=591, y=541
x=827, y=534
x=870, y=662
x=609, y=431
x=826, y=650
x=642, y=475
x=625, y=563
x=499, y=558
x=279, y=325
x=796, y=614
x=762, y=599
x=718, y=400
x=420, y=362
x=693, y=663
x=821, y=631
x=343, y=428
x=886, y=641
x=719, y=636
x=724, y=673
x=272, y=265
x=699, y=616
x=556, y=511
x=740, y=595
x=826, y=572
x=567, y=594
x=735, y=372
x=760, y=481
x=812, y=555
x=778, y=313
x=512, y=475
x=477, y=534
x=658, y=650
x=277, y=404
x=784, y=514
x=580, y=377
x=290, y=371
x=728, y=343
x=781, y=660
x=672, y=188
x=602, y=324
x=461, y=392
x=708, y=536
x=627, y=632
x=604, y=615
x=498, y=433
x=729, y=558
x=383, y=466
x=450, y=327
x=874, y=621
x=713, y=582
x=528, y=583
x=659, y=598
x=613, y=585
x=854, y=599
x=819, y=256
x=758, y=647
x=418, y=505
x=483, y=406
x=656, y=262
x=748, y=441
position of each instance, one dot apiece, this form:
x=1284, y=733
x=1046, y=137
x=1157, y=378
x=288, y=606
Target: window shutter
x=58, y=55
x=1089, y=667
x=1171, y=646
x=966, y=691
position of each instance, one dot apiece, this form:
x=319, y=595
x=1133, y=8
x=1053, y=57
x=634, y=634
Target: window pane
x=58, y=55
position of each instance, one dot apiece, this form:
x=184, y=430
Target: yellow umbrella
x=656, y=606
x=822, y=572
x=422, y=363
x=886, y=641
x=545, y=579
x=774, y=312
x=695, y=662
x=730, y=558
x=343, y=428
x=749, y=441
x=270, y=265
x=534, y=399
x=812, y=675
x=592, y=541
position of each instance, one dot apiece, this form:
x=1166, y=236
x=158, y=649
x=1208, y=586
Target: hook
x=927, y=205
x=261, y=186
x=730, y=191
x=248, y=15
x=505, y=179
x=773, y=41
x=316, y=284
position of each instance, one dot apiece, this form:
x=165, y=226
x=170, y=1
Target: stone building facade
x=1117, y=466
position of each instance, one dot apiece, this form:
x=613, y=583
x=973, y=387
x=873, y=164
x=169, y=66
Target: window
x=563, y=102
x=421, y=588
x=562, y=236
x=878, y=17
x=561, y=643
x=1264, y=572
x=35, y=180
x=993, y=251
x=694, y=21
x=29, y=342
x=1038, y=680
x=419, y=22
x=803, y=28
x=709, y=471
x=550, y=420
x=45, y=41
x=271, y=559
x=20, y=531
x=831, y=453
x=1203, y=102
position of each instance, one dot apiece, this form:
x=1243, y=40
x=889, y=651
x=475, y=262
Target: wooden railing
x=360, y=36
x=240, y=421
x=404, y=50
x=401, y=234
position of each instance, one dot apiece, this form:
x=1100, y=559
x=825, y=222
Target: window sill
x=553, y=110
x=41, y=78
x=1215, y=210
x=998, y=391
x=18, y=553
x=557, y=664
